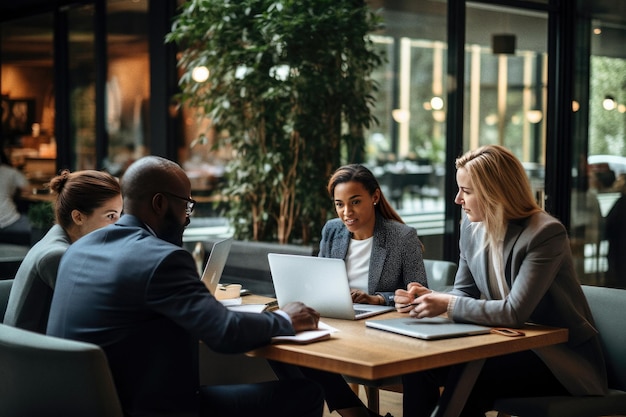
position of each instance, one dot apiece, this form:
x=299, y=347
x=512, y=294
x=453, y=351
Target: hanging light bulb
x=400, y=115
x=534, y=116
x=200, y=74
x=609, y=103
x=436, y=103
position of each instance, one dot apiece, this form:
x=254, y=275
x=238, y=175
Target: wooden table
x=373, y=354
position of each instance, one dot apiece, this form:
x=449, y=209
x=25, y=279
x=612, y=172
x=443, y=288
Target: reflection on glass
x=82, y=84
x=27, y=100
x=379, y=137
x=128, y=83
x=505, y=93
x=598, y=221
x=406, y=149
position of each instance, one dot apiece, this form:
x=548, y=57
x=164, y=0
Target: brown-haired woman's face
x=106, y=214
x=355, y=207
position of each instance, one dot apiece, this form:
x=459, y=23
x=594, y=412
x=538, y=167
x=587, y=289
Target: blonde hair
x=501, y=186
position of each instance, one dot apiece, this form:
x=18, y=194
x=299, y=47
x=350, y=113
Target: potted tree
x=289, y=90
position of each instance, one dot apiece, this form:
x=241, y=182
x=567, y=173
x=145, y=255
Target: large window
x=506, y=84
x=112, y=84
x=27, y=132
x=82, y=86
x=598, y=229
x=128, y=83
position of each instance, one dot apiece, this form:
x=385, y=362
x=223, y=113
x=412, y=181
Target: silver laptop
x=215, y=264
x=427, y=328
x=320, y=283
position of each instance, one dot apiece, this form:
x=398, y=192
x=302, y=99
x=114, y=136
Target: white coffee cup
x=225, y=292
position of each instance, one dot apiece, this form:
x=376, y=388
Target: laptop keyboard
x=357, y=311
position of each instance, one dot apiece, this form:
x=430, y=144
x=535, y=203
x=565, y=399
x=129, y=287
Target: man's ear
x=159, y=203
x=77, y=217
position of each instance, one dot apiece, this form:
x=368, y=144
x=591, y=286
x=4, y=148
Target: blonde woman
x=515, y=267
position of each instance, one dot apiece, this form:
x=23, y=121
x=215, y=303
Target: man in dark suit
x=131, y=289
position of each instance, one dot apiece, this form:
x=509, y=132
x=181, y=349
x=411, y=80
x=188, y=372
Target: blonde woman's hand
x=406, y=299
x=430, y=304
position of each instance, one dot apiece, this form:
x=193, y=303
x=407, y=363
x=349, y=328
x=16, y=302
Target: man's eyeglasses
x=191, y=203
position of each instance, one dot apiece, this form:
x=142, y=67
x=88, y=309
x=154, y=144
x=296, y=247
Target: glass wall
x=82, y=86
x=27, y=132
x=505, y=87
x=598, y=208
x=506, y=84
x=406, y=150
x=28, y=93
x=127, y=92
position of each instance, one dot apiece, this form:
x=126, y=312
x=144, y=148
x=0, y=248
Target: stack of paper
x=322, y=332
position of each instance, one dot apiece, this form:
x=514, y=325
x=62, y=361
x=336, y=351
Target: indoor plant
x=41, y=218
x=289, y=89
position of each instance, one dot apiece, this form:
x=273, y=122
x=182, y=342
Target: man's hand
x=302, y=317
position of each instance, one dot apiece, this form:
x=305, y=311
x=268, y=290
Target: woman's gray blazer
x=544, y=290
x=31, y=294
x=396, y=257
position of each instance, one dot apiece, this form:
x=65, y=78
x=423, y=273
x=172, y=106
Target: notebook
x=427, y=328
x=320, y=283
x=215, y=264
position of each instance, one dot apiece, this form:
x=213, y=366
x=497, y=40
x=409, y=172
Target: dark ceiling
x=21, y=42
x=608, y=10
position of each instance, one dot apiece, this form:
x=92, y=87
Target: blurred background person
x=615, y=233
x=14, y=226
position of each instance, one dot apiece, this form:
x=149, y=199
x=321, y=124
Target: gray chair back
x=5, y=290
x=608, y=306
x=48, y=376
x=440, y=274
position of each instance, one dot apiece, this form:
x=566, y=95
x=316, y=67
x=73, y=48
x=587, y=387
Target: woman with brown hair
x=381, y=252
x=85, y=201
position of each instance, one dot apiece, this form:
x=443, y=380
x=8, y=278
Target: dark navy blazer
x=141, y=300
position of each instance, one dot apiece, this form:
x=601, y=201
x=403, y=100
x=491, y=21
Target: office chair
x=5, y=290
x=440, y=275
x=608, y=306
x=48, y=376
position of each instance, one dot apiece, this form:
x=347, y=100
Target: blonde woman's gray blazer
x=396, y=257
x=544, y=290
